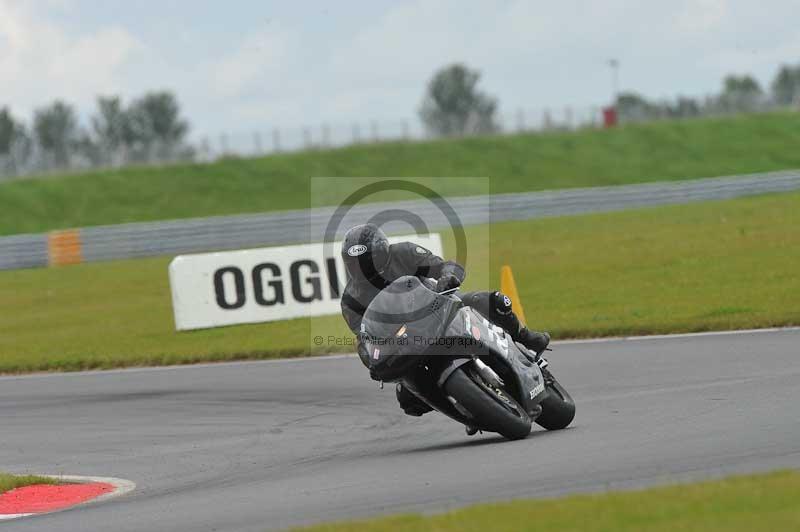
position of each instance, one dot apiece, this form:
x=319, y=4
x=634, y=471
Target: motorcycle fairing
x=400, y=324
x=408, y=324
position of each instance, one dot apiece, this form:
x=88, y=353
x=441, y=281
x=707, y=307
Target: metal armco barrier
x=289, y=227
x=23, y=251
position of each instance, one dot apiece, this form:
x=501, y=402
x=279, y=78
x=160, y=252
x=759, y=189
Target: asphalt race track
x=265, y=445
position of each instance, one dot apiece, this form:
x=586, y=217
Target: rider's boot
x=535, y=341
x=508, y=320
x=410, y=403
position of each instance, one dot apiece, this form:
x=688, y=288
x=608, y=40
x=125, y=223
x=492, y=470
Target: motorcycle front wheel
x=558, y=409
x=493, y=409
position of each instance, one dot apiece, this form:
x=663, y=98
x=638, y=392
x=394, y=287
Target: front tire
x=493, y=410
x=558, y=409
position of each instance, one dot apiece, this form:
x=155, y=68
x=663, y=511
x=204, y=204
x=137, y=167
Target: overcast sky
x=242, y=65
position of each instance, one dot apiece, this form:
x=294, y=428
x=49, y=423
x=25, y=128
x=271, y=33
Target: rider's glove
x=447, y=282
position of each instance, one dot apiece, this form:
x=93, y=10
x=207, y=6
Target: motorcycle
x=460, y=363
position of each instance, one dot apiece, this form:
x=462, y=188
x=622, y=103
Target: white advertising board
x=264, y=284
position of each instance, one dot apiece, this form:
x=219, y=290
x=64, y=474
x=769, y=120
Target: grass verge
x=11, y=482
x=757, y=502
x=705, y=266
x=669, y=150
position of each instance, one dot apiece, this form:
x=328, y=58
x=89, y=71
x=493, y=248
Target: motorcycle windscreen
x=401, y=323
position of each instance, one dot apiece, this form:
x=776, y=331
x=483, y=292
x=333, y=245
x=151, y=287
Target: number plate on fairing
x=528, y=375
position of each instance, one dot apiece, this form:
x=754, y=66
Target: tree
x=632, y=107
x=155, y=126
x=740, y=93
x=453, y=105
x=112, y=132
x=111, y=124
x=10, y=131
x=56, y=131
x=685, y=107
x=15, y=144
x=786, y=85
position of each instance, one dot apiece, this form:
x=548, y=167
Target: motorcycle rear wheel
x=494, y=410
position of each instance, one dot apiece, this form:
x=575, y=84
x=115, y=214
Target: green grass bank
x=746, y=503
x=669, y=150
x=704, y=266
x=12, y=482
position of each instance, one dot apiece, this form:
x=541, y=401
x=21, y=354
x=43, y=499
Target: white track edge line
x=321, y=358
x=674, y=336
x=121, y=485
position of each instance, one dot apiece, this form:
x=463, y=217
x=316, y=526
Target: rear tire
x=492, y=410
x=558, y=410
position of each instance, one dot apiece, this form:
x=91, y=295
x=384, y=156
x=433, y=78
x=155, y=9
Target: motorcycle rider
x=372, y=264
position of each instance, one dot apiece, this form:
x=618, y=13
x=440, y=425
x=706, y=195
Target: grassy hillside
x=705, y=266
x=746, y=503
x=635, y=153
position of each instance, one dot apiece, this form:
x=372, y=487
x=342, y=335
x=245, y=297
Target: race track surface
x=266, y=445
